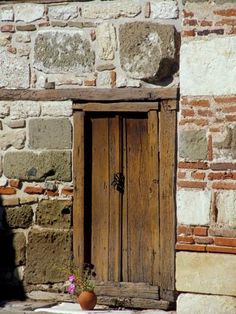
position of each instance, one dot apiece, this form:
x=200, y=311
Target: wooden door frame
x=167, y=109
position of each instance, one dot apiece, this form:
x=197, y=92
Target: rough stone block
x=5, y=39
x=19, y=245
x=4, y=109
x=206, y=273
x=23, y=37
x=104, y=79
x=193, y=207
x=63, y=51
x=50, y=133
x=54, y=213
x=19, y=217
x=225, y=203
x=193, y=144
x=13, y=138
x=164, y=9
x=107, y=10
x=210, y=304
x=28, y=12
x=48, y=253
x=14, y=70
x=63, y=12
x=32, y=166
x=211, y=59
x=141, y=39
x=56, y=109
x=24, y=109
x=6, y=14
x=106, y=41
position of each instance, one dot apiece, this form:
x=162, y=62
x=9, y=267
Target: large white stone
x=14, y=138
x=193, y=207
x=28, y=12
x=56, y=109
x=207, y=66
x=164, y=9
x=111, y=9
x=24, y=109
x=225, y=203
x=210, y=304
x=106, y=40
x=4, y=109
x=212, y=273
x=14, y=71
x=6, y=14
x=63, y=12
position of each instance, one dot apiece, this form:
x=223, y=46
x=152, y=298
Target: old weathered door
x=123, y=218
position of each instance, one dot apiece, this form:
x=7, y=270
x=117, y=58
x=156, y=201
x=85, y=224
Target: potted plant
x=81, y=284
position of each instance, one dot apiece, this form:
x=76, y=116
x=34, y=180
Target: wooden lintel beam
x=91, y=94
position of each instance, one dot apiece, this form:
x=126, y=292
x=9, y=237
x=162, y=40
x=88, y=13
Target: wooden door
x=120, y=226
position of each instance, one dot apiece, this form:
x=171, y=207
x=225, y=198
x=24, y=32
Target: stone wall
x=72, y=44
x=206, y=208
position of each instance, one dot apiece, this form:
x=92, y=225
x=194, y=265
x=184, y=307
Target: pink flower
x=71, y=278
x=71, y=288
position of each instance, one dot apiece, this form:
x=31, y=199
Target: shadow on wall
x=11, y=286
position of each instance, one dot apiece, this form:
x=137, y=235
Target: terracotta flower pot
x=87, y=300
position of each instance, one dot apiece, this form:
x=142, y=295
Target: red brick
x=223, y=166
x=12, y=50
x=203, y=240
x=220, y=249
x=200, y=103
x=186, y=230
x=7, y=190
x=193, y=165
x=188, y=13
x=7, y=29
x=214, y=129
x=220, y=175
x=90, y=82
x=225, y=241
x=225, y=100
x=189, y=33
x=232, y=31
x=67, y=191
x=190, y=247
x=226, y=22
x=44, y=24
x=230, y=118
x=185, y=239
x=199, y=122
x=14, y=183
x=190, y=22
x=192, y=184
x=221, y=232
x=227, y=12
x=205, y=113
x=200, y=231
x=34, y=190
x=198, y=175
x=224, y=186
x=93, y=35
x=113, y=78
x=229, y=109
x=210, y=148
x=187, y=112
x=205, y=23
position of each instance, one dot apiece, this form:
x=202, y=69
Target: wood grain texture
x=78, y=178
x=153, y=202
x=167, y=199
x=100, y=197
x=118, y=107
x=91, y=94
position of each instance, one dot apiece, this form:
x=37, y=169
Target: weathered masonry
x=117, y=146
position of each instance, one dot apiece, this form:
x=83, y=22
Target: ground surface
x=43, y=307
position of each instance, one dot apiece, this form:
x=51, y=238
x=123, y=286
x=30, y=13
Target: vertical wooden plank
x=124, y=213
x=139, y=215
x=153, y=164
x=167, y=198
x=100, y=197
x=115, y=166
x=78, y=178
